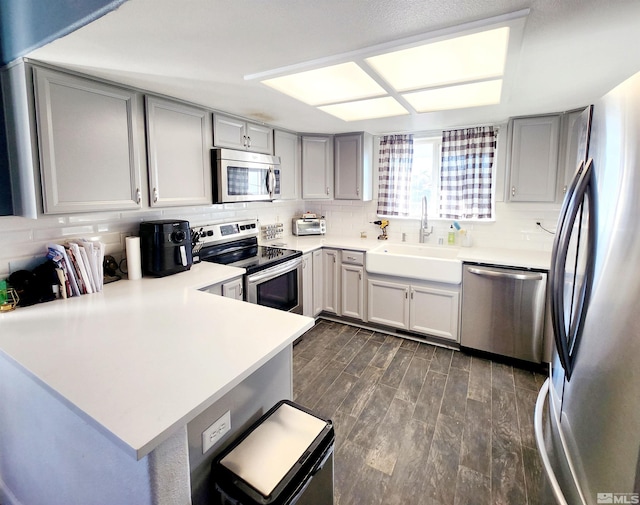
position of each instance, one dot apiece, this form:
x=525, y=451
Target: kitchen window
x=427, y=179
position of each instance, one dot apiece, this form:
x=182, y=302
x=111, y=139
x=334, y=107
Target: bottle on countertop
x=451, y=236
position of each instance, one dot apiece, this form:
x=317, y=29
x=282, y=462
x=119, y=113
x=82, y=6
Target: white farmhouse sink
x=438, y=264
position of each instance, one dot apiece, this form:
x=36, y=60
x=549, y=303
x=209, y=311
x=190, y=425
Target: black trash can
x=285, y=458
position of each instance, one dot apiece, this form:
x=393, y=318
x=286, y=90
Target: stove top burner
x=247, y=254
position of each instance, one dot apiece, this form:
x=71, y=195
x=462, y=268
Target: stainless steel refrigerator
x=587, y=419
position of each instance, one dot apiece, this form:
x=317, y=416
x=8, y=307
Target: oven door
x=278, y=287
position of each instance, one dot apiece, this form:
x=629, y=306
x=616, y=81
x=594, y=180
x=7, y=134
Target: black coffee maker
x=165, y=247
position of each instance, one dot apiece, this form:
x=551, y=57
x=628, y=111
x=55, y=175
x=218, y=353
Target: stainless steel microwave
x=241, y=176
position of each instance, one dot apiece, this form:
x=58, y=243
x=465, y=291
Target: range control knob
x=178, y=236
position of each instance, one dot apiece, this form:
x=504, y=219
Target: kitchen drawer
x=353, y=257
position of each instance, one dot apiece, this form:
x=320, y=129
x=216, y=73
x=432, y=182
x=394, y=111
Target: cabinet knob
x=513, y=191
x=155, y=195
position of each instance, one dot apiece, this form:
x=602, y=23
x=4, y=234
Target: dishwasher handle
x=506, y=275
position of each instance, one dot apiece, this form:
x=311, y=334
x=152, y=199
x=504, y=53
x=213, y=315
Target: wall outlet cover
x=214, y=433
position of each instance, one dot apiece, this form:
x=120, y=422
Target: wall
x=28, y=24
x=6, y=203
x=514, y=227
x=23, y=241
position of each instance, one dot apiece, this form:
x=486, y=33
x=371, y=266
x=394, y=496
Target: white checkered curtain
x=466, y=173
x=394, y=174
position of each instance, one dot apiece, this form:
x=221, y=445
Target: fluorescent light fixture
x=336, y=83
x=472, y=57
x=366, y=109
x=456, y=97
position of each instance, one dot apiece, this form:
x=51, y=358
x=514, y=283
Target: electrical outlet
x=214, y=433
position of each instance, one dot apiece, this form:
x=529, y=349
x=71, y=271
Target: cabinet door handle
x=244, y=140
x=359, y=276
x=248, y=141
x=513, y=191
x=358, y=191
x=327, y=190
x=155, y=195
x=412, y=294
x=406, y=293
x=138, y=195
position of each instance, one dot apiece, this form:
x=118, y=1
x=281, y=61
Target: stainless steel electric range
x=273, y=275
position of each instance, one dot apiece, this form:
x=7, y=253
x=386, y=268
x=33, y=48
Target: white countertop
x=145, y=357
x=522, y=258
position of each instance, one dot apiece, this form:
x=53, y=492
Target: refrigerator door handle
x=567, y=339
x=542, y=450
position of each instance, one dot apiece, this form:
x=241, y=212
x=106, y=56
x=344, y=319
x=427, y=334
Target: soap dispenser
x=451, y=236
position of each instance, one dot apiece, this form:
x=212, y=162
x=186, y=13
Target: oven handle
x=274, y=271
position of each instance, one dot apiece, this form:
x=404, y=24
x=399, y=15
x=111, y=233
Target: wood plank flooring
x=418, y=424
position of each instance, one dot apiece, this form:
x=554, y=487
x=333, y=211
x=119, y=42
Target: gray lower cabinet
x=352, y=281
x=318, y=281
x=178, y=147
x=307, y=285
x=233, y=288
x=331, y=280
x=89, y=141
x=428, y=308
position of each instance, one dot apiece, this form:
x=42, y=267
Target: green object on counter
x=3, y=291
x=451, y=237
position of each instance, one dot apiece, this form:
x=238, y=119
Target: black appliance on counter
x=165, y=247
x=273, y=275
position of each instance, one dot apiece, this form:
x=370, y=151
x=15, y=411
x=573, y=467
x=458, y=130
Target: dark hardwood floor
x=418, y=424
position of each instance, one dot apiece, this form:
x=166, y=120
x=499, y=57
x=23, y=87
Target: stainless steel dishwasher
x=503, y=311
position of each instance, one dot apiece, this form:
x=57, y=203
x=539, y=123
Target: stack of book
x=79, y=265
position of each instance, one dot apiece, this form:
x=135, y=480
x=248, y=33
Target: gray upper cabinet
x=235, y=133
x=533, y=158
x=317, y=167
x=178, y=147
x=570, y=155
x=353, y=166
x=88, y=139
x=287, y=146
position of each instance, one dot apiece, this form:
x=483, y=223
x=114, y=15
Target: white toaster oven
x=309, y=226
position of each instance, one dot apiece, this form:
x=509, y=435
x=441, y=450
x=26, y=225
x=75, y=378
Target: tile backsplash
x=23, y=241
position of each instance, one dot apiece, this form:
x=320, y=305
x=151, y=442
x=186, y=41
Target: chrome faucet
x=424, y=224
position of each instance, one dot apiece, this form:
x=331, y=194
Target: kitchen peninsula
x=97, y=391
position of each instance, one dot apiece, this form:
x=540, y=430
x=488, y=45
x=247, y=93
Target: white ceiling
x=572, y=52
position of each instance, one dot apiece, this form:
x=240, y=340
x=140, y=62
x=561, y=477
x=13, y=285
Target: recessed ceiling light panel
x=472, y=57
x=366, y=109
x=456, y=97
x=336, y=83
